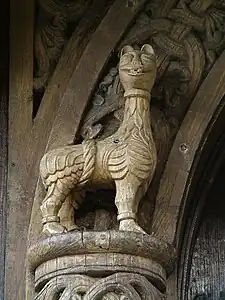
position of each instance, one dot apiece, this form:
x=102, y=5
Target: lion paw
x=53, y=228
x=130, y=225
x=74, y=228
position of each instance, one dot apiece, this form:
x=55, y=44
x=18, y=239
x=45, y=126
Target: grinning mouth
x=136, y=72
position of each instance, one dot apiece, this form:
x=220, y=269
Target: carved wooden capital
x=99, y=265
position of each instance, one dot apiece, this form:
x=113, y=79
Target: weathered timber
x=67, y=64
x=20, y=123
x=4, y=72
x=206, y=181
x=102, y=256
x=3, y=179
x=185, y=148
x=207, y=263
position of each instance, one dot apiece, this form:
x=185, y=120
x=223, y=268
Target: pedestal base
x=99, y=265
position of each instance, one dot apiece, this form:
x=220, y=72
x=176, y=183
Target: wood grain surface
x=207, y=276
x=187, y=146
x=4, y=73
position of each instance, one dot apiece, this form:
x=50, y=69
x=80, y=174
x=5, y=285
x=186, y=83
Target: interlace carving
x=187, y=37
x=119, y=286
x=49, y=43
x=126, y=158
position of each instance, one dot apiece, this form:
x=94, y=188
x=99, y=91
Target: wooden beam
x=21, y=73
x=20, y=126
x=64, y=70
x=186, y=152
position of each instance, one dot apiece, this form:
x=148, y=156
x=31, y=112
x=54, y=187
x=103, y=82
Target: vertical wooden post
x=20, y=126
x=4, y=50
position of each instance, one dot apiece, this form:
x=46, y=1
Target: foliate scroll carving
x=111, y=160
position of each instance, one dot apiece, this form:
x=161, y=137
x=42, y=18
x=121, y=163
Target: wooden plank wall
x=207, y=277
x=4, y=50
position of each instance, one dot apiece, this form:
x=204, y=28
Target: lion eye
x=126, y=58
x=145, y=58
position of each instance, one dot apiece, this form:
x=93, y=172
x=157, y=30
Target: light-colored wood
x=185, y=152
x=92, y=63
x=110, y=160
x=100, y=264
x=102, y=256
x=55, y=90
x=94, y=242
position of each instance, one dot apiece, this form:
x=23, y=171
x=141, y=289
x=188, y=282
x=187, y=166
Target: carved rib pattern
x=135, y=152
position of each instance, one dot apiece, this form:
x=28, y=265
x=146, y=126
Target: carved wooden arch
x=209, y=168
x=186, y=148
x=201, y=134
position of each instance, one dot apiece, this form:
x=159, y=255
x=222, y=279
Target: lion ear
x=126, y=49
x=147, y=49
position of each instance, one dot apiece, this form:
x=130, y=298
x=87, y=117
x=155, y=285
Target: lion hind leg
x=67, y=211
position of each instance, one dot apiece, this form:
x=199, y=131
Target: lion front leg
x=50, y=207
x=128, y=195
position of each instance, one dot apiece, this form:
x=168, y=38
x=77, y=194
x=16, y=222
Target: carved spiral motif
x=119, y=286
